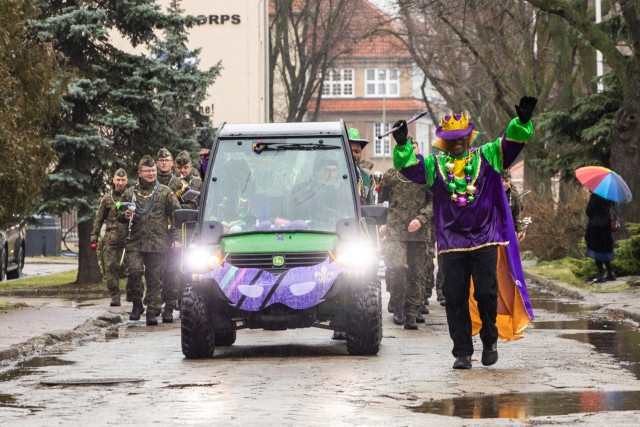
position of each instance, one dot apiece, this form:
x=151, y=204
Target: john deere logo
x=278, y=261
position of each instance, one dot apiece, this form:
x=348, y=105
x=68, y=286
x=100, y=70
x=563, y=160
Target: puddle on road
x=623, y=345
x=621, y=340
x=527, y=405
x=30, y=367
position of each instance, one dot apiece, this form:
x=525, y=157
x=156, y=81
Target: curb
x=48, y=342
x=582, y=295
x=558, y=286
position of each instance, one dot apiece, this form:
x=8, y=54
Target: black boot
x=390, y=308
x=398, y=317
x=339, y=335
x=136, y=311
x=115, y=301
x=462, y=362
x=410, y=322
x=152, y=320
x=424, y=309
x=489, y=354
x=420, y=318
x=167, y=314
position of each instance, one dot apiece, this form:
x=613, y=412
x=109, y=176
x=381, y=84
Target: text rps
x=220, y=19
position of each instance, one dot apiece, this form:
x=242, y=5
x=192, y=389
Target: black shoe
x=115, y=302
x=490, y=354
x=410, y=323
x=136, y=311
x=440, y=298
x=611, y=276
x=599, y=279
x=424, y=310
x=420, y=318
x=151, y=319
x=443, y=302
x=339, y=335
x=167, y=314
x=390, y=308
x=462, y=362
x=398, y=318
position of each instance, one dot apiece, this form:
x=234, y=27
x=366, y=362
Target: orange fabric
x=512, y=316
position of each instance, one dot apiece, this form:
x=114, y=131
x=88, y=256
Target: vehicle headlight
x=202, y=259
x=357, y=255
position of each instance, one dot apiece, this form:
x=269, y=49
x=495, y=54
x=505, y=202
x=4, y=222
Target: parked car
x=280, y=240
x=12, y=251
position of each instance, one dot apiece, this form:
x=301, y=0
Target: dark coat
x=598, y=236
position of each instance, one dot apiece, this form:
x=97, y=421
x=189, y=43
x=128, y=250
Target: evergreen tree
x=100, y=106
x=181, y=86
x=119, y=106
x=30, y=86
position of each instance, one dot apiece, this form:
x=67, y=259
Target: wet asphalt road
x=137, y=375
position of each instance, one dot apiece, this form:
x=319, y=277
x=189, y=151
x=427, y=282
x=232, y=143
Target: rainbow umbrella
x=605, y=183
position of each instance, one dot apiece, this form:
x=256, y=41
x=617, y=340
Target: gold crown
x=455, y=121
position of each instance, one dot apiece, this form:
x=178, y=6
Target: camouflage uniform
x=515, y=204
x=114, y=235
x=172, y=279
x=406, y=253
x=151, y=237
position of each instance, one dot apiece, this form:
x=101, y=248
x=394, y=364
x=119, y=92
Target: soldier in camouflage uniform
x=151, y=236
x=515, y=204
x=172, y=283
x=184, y=169
x=165, y=165
x=114, y=235
x=407, y=234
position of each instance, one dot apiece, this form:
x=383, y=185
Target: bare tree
x=481, y=56
x=306, y=38
x=623, y=57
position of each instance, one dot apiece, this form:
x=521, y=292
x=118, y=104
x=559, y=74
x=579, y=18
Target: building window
x=338, y=83
x=382, y=82
x=381, y=147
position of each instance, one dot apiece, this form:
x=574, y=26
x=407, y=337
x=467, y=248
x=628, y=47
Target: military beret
x=120, y=172
x=147, y=161
x=163, y=153
x=183, y=158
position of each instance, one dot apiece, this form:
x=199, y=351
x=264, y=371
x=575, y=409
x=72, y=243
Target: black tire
x=364, y=320
x=197, y=331
x=225, y=338
x=17, y=273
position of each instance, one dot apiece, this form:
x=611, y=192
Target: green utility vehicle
x=281, y=240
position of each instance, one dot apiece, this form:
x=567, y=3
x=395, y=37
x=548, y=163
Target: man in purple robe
x=476, y=240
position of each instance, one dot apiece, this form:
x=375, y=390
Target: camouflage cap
x=183, y=158
x=120, y=172
x=147, y=161
x=164, y=153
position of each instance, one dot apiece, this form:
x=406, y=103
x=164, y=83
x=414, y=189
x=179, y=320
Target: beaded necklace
x=462, y=189
x=150, y=196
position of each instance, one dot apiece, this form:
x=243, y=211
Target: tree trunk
x=88, y=268
x=625, y=155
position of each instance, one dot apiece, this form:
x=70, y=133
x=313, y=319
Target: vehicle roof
x=280, y=129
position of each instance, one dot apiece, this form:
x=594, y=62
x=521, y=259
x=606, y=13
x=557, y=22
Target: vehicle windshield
x=284, y=184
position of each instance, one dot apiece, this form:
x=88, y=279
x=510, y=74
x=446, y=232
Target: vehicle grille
x=265, y=261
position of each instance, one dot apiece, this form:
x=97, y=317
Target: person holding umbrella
x=598, y=236
x=607, y=188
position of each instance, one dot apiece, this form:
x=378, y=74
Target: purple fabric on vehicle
x=253, y=289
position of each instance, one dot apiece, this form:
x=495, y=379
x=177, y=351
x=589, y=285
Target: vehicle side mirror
x=375, y=212
x=182, y=216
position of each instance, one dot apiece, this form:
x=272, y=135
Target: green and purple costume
x=481, y=220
